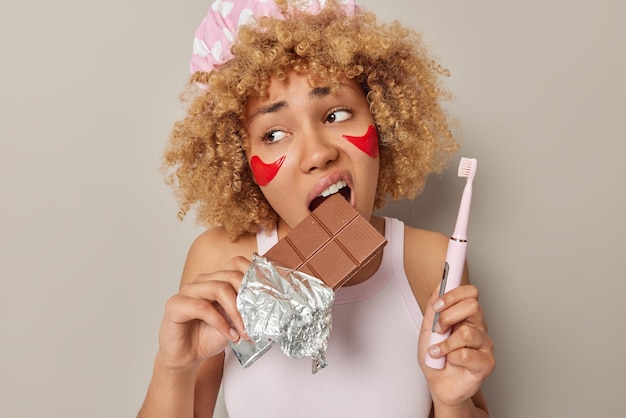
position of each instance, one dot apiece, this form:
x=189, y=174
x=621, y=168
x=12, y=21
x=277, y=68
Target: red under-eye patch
x=367, y=143
x=264, y=173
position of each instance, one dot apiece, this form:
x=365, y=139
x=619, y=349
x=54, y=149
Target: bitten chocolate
x=333, y=243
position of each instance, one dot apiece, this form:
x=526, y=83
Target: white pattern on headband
x=215, y=35
x=223, y=7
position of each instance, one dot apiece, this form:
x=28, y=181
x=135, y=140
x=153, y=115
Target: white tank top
x=372, y=355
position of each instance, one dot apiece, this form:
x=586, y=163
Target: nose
x=317, y=151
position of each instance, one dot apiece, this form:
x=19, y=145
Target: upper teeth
x=334, y=188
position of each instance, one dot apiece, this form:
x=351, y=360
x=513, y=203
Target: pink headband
x=216, y=34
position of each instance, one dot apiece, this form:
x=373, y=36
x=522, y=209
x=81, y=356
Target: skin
x=307, y=125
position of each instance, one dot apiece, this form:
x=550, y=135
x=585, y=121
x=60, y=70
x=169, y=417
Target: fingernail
x=234, y=334
x=438, y=305
x=434, y=350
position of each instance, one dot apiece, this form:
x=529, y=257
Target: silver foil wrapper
x=286, y=307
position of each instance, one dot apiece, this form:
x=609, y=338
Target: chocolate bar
x=332, y=243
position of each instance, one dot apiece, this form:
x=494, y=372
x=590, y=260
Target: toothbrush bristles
x=467, y=167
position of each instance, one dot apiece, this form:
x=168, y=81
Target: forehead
x=304, y=77
x=299, y=84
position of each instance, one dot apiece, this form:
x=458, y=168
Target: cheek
x=264, y=173
x=367, y=143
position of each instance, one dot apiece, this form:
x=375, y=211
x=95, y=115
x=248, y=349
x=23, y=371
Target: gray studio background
x=90, y=248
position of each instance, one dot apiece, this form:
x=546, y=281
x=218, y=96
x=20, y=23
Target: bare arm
x=170, y=393
x=456, y=390
x=208, y=381
x=197, y=323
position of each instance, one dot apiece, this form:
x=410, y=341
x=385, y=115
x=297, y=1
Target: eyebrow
x=274, y=107
x=319, y=92
x=315, y=93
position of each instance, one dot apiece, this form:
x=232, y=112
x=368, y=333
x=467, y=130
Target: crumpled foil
x=284, y=306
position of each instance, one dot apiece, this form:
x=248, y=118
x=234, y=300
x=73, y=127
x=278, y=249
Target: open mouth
x=340, y=187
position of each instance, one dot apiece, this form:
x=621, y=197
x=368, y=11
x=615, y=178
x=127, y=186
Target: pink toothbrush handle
x=452, y=273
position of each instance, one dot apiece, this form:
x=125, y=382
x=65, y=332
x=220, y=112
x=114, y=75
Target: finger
x=237, y=266
x=478, y=362
x=221, y=293
x=231, y=272
x=429, y=315
x=451, y=298
x=466, y=311
x=455, y=296
x=238, y=263
x=463, y=338
x=181, y=309
x=210, y=284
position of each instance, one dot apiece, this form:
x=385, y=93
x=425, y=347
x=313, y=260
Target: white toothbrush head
x=467, y=168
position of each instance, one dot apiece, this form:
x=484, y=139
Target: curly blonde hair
x=205, y=159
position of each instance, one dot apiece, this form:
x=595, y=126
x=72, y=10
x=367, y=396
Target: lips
x=340, y=187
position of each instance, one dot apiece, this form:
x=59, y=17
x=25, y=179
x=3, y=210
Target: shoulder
x=212, y=249
x=424, y=256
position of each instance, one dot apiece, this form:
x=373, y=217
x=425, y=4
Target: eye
x=338, y=115
x=274, y=136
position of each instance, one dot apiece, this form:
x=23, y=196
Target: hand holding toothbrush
x=455, y=351
x=468, y=350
